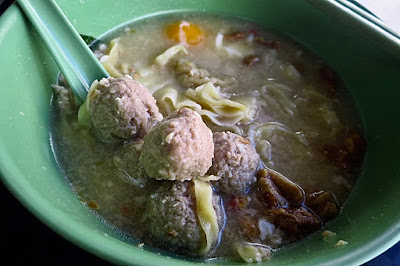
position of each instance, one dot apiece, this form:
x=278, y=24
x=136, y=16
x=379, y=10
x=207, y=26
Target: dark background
x=25, y=239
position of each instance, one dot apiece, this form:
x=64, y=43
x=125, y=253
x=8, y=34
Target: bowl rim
x=75, y=233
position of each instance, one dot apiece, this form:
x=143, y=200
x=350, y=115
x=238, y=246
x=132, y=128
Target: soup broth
x=290, y=106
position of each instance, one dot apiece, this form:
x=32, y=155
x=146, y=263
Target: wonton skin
x=178, y=148
x=122, y=109
x=235, y=161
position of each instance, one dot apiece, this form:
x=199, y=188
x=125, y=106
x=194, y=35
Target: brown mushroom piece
x=284, y=201
x=278, y=190
x=178, y=148
x=324, y=204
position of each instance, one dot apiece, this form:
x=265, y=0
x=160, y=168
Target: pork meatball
x=235, y=161
x=127, y=161
x=178, y=148
x=172, y=218
x=122, y=109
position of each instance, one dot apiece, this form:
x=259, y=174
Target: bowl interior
x=369, y=222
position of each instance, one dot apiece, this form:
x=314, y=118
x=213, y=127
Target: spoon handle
x=74, y=58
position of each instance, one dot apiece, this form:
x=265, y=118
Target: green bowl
x=365, y=56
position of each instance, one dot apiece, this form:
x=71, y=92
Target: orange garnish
x=185, y=32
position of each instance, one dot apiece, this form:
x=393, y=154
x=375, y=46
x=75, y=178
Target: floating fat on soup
x=214, y=138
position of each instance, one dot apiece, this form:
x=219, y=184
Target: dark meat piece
x=237, y=203
x=296, y=222
x=354, y=143
x=324, y=204
x=350, y=154
x=248, y=227
x=235, y=36
x=328, y=77
x=267, y=43
x=284, y=201
x=251, y=60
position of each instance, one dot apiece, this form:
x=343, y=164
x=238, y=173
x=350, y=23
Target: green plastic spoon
x=74, y=58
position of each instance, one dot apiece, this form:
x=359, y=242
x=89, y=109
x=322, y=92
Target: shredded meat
x=191, y=76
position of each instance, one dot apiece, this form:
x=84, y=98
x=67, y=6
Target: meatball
x=122, y=109
x=172, y=219
x=127, y=161
x=235, y=161
x=178, y=148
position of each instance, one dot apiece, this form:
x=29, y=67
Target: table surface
x=387, y=10
x=29, y=240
